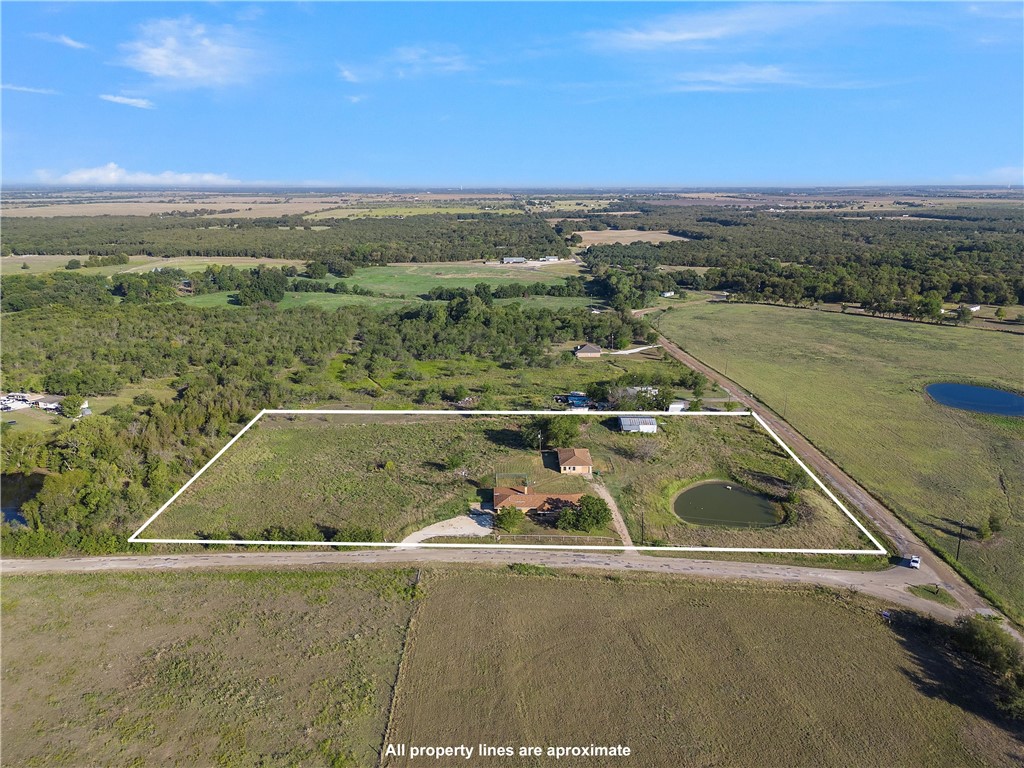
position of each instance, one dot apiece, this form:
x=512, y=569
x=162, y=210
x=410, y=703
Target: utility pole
x=960, y=540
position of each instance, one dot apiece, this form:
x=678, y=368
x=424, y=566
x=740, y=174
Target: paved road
x=864, y=503
x=889, y=585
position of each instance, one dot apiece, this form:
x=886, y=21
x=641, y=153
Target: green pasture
x=854, y=386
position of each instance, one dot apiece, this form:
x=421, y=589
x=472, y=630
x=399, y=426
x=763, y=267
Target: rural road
x=889, y=585
x=830, y=473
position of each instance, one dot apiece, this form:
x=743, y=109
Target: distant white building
x=513, y=260
x=679, y=406
x=644, y=424
x=667, y=294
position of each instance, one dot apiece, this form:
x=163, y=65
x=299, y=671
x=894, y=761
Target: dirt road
x=889, y=585
x=867, y=506
x=618, y=522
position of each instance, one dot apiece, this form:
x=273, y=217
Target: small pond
x=726, y=504
x=968, y=397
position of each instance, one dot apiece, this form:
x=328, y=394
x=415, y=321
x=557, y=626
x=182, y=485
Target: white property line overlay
x=135, y=537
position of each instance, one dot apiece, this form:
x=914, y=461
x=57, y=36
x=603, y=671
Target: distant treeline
x=976, y=257
x=72, y=289
x=436, y=237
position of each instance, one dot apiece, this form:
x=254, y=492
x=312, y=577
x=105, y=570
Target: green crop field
x=227, y=669
x=685, y=674
x=855, y=387
x=381, y=477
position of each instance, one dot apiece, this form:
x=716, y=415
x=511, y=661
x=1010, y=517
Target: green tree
x=267, y=284
x=73, y=264
x=1000, y=313
x=560, y=431
x=316, y=270
x=71, y=405
x=963, y=315
x=589, y=514
x=508, y=519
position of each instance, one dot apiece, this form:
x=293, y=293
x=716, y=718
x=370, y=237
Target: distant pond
x=723, y=503
x=968, y=397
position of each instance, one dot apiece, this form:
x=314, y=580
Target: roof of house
x=51, y=399
x=588, y=348
x=635, y=422
x=518, y=497
x=574, y=457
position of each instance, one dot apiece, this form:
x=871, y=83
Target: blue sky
x=513, y=94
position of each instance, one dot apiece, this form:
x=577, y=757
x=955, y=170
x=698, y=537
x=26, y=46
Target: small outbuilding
x=644, y=424
x=587, y=350
x=513, y=260
x=575, y=461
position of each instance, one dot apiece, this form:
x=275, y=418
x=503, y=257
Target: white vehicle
x=915, y=561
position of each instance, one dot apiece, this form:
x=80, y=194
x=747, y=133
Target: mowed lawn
x=855, y=387
x=685, y=674
x=227, y=669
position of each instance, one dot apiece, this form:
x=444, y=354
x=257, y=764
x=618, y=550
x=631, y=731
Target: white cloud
x=735, y=78
x=356, y=99
x=61, y=40
x=700, y=30
x=129, y=101
x=408, y=62
x=1002, y=11
x=26, y=89
x=414, y=61
x=185, y=53
x=347, y=75
x=112, y=174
